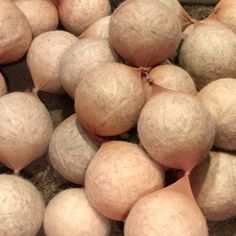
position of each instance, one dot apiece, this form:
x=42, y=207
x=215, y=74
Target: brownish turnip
x=3, y=86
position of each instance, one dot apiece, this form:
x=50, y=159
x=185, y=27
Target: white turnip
x=144, y=33
x=118, y=175
x=77, y=15
x=71, y=149
x=109, y=99
x=69, y=213
x=83, y=57
x=43, y=59
x=176, y=129
x=25, y=129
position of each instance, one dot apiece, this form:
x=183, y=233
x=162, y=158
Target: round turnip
x=70, y=213
x=41, y=14
x=184, y=18
x=220, y=99
x=176, y=129
x=3, y=86
x=109, y=99
x=71, y=149
x=26, y=129
x=81, y=58
x=44, y=57
x=118, y=175
x=154, y=26
x=98, y=29
x=170, y=77
x=22, y=208
x=15, y=33
x=225, y=12
x=171, y=211
x=77, y=15
x=208, y=53
x=214, y=183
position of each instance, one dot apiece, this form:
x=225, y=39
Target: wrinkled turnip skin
x=99, y=29
x=208, y=56
x=214, y=183
x=22, y=208
x=220, y=99
x=83, y=57
x=77, y=15
x=118, y=175
x=71, y=149
x=3, y=86
x=43, y=59
x=41, y=14
x=25, y=129
x=143, y=33
x=15, y=33
x=176, y=129
x=109, y=100
x=69, y=213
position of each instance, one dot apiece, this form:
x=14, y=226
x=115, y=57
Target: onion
x=208, y=53
x=109, y=100
x=118, y=175
x=44, y=57
x=41, y=14
x=213, y=184
x=220, y=99
x=77, y=15
x=26, y=129
x=71, y=149
x=69, y=213
x=22, y=208
x=171, y=211
x=176, y=129
x=156, y=34
x=15, y=33
x=3, y=86
x=81, y=58
x=170, y=77
x=99, y=29
x=225, y=12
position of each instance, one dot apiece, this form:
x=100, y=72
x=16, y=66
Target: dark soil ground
x=41, y=174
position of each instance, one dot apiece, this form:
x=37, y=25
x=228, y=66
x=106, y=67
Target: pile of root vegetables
x=147, y=67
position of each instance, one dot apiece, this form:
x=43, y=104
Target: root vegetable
x=225, y=12
x=41, y=14
x=15, y=33
x=214, y=183
x=22, y=208
x=208, y=53
x=171, y=77
x=71, y=149
x=82, y=58
x=156, y=34
x=99, y=29
x=70, y=213
x=171, y=211
x=118, y=175
x=176, y=129
x=109, y=100
x=44, y=57
x=25, y=129
x=77, y=15
x=220, y=99
x=3, y=86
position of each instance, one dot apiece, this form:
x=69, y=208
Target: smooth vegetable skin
x=69, y=213
x=3, y=86
x=22, y=207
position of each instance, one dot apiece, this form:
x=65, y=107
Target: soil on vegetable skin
x=40, y=172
